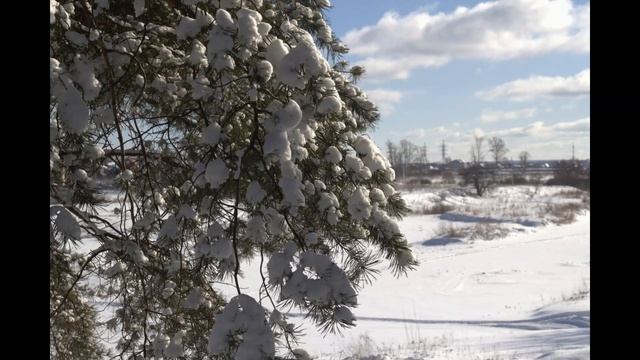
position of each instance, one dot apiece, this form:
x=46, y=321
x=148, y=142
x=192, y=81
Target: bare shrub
x=413, y=184
x=449, y=230
x=564, y=213
x=572, y=194
x=536, y=181
x=572, y=174
x=514, y=180
x=448, y=177
x=425, y=181
x=363, y=348
x=487, y=231
x=579, y=293
x=437, y=208
x=586, y=200
x=479, y=176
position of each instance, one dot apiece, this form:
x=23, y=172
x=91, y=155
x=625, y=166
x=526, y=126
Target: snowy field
x=506, y=276
x=521, y=296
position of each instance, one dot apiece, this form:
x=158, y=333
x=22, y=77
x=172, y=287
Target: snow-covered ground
x=524, y=295
x=520, y=297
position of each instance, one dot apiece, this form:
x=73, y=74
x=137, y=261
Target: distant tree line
x=570, y=173
x=482, y=174
x=405, y=152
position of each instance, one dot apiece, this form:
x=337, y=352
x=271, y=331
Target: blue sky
x=518, y=69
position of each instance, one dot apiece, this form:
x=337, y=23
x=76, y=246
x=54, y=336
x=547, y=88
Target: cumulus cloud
x=423, y=134
x=385, y=99
x=378, y=68
x=539, y=129
x=495, y=30
x=492, y=116
x=541, y=87
x=582, y=125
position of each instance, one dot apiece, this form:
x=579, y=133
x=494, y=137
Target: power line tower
x=423, y=157
x=423, y=153
x=443, y=149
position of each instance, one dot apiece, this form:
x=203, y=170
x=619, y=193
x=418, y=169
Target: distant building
x=455, y=165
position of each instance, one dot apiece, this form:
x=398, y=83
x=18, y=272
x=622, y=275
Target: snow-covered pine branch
x=233, y=134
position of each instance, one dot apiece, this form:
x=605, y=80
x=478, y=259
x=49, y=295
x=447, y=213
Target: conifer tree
x=237, y=132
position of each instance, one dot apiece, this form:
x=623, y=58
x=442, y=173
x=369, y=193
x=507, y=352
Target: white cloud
x=539, y=130
x=416, y=133
x=541, y=87
x=496, y=30
x=477, y=132
x=491, y=116
x=385, y=99
x=552, y=141
x=583, y=125
x=398, y=68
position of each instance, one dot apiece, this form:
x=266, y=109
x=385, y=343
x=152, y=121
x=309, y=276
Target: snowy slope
x=524, y=296
x=503, y=297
